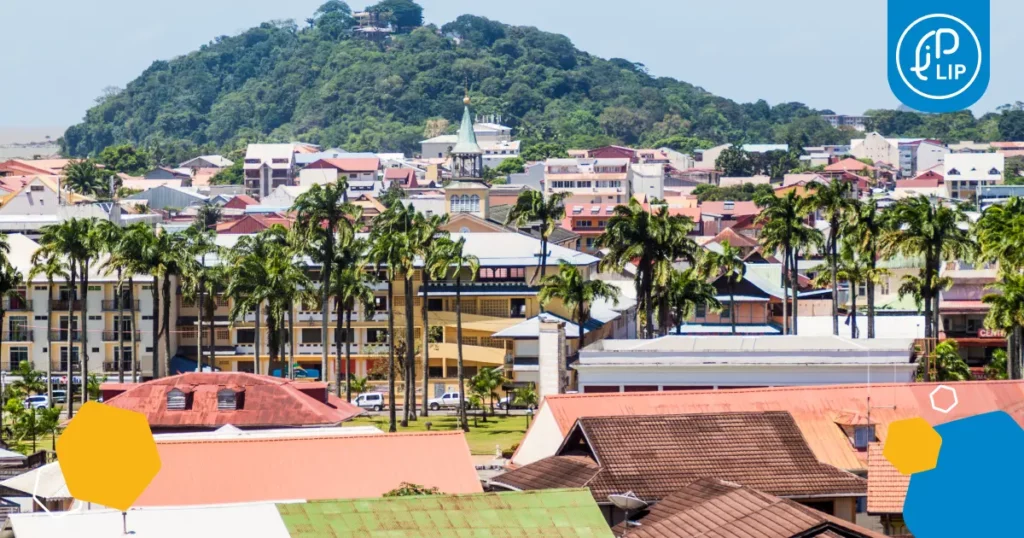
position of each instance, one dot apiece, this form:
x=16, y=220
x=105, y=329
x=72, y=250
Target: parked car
x=60, y=396
x=373, y=401
x=509, y=402
x=37, y=402
x=448, y=400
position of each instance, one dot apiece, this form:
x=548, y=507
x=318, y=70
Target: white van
x=373, y=401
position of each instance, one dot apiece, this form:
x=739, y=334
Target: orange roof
x=852, y=165
x=815, y=409
x=887, y=488
x=195, y=472
x=918, y=183
x=738, y=208
x=734, y=239
x=362, y=164
x=693, y=213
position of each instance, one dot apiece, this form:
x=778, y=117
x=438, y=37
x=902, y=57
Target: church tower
x=467, y=192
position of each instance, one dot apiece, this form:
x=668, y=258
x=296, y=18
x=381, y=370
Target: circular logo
x=938, y=62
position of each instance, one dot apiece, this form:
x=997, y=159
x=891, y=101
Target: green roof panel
x=558, y=513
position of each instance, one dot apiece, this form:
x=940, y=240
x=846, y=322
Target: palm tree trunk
x=166, y=321
x=49, y=354
x=928, y=333
x=199, y=331
x=393, y=418
x=325, y=308
x=257, y=341
x=426, y=342
x=410, y=352
x=84, y=281
x=645, y=284
x=873, y=266
x=833, y=262
x=131, y=328
x=9, y=367
x=120, y=329
x=211, y=348
x=732, y=305
x=543, y=259
x=458, y=345
x=291, y=340
x=337, y=347
x=785, y=290
x=794, y=275
x=71, y=338
x=156, y=328
x=348, y=353
x=853, y=309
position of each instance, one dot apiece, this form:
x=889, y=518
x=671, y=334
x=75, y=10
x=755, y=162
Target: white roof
x=46, y=482
x=752, y=349
x=7, y=455
x=22, y=249
x=216, y=160
x=256, y=519
x=231, y=432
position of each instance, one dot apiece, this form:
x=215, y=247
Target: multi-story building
x=602, y=181
x=495, y=142
x=843, y=120
x=962, y=313
x=966, y=172
x=38, y=326
x=267, y=167
x=877, y=148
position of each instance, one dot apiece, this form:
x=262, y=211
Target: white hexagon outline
x=956, y=400
x=76, y=507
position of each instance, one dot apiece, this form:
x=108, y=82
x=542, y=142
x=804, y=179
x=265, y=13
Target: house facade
x=606, y=181
x=965, y=173
x=268, y=166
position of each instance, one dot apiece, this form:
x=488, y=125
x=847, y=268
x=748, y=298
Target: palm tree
x=196, y=281
x=207, y=216
x=427, y=231
x=94, y=241
x=53, y=267
x=1006, y=313
x=320, y=212
x=728, y=263
x=997, y=368
x=10, y=281
x=576, y=293
x=357, y=385
x=651, y=241
x=143, y=247
x=833, y=201
x=451, y=256
x=783, y=230
x=864, y=230
x=688, y=290
x=852, y=268
x=391, y=248
x=350, y=284
x=938, y=233
x=486, y=384
x=949, y=365
x=1000, y=233
x=531, y=206
x=171, y=256
x=85, y=177
x=110, y=243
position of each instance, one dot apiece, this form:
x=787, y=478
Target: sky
x=825, y=54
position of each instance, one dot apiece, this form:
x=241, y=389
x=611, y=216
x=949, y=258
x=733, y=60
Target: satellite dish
x=627, y=501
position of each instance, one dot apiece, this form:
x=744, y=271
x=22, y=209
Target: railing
x=20, y=335
x=126, y=366
x=510, y=287
x=115, y=336
x=61, y=305
x=17, y=305
x=114, y=305
x=62, y=336
x=62, y=366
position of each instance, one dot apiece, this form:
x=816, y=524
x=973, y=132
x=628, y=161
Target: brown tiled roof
x=656, y=455
x=711, y=508
x=887, y=488
x=267, y=402
x=551, y=473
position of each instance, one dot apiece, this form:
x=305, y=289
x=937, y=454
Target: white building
x=877, y=148
x=692, y=362
x=268, y=166
x=965, y=172
x=843, y=120
x=601, y=180
x=495, y=140
x=649, y=179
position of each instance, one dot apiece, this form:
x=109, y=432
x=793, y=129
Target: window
x=726, y=311
x=954, y=172
x=228, y=400
x=126, y=361
x=518, y=308
x=245, y=336
x=435, y=305
x=64, y=358
x=18, y=356
x=701, y=310
x=311, y=336
x=346, y=335
x=863, y=435
x=18, y=328
x=380, y=304
x=36, y=188
x=502, y=274
x=590, y=242
x=176, y=400
x=376, y=336
x=993, y=172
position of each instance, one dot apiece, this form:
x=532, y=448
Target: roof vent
x=863, y=435
x=229, y=400
x=177, y=400
x=729, y=206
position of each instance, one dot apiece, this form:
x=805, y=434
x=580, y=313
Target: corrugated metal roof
x=557, y=512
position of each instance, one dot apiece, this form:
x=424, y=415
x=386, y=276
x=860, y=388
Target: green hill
x=319, y=83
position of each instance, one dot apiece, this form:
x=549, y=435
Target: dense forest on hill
x=319, y=82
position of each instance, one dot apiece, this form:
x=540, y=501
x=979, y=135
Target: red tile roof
x=734, y=239
x=195, y=472
x=963, y=306
x=250, y=224
x=655, y=455
x=738, y=208
x=815, y=409
x=919, y=183
x=241, y=201
x=887, y=488
x=712, y=508
x=848, y=165
x=405, y=176
x=267, y=402
x=361, y=164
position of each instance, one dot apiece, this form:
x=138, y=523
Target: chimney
x=553, y=377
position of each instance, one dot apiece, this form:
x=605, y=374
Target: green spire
x=466, y=144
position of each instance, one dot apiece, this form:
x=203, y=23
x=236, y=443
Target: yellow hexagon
x=108, y=455
x=912, y=446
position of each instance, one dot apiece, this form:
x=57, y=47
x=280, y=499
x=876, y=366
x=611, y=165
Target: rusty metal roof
x=553, y=513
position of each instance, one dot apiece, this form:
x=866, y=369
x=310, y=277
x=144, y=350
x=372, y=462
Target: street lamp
x=627, y=502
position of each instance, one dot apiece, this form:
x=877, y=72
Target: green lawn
x=482, y=436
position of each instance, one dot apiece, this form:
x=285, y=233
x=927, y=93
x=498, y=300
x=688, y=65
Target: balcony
x=62, y=336
x=115, y=305
x=62, y=366
x=111, y=367
x=447, y=288
x=61, y=305
x=115, y=336
x=20, y=335
x=17, y=305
